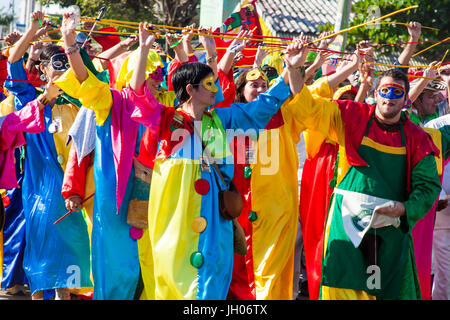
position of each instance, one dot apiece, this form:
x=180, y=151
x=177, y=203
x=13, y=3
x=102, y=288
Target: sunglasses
x=59, y=62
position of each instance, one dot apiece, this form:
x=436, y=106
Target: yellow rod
x=364, y=24
x=108, y=32
x=443, y=58
x=429, y=47
x=401, y=23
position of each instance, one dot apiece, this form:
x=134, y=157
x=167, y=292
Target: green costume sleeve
x=426, y=187
x=445, y=133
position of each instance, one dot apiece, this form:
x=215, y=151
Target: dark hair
x=396, y=75
x=271, y=72
x=190, y=73
x=50, y=51
x=240, y=83
x=47, y=53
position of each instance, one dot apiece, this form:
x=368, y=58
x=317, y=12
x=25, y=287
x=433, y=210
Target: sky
x=4, y=4
x=19, y=5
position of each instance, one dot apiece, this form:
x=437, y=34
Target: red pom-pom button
x=6, y=201
x=201, y=186
x=136, y=233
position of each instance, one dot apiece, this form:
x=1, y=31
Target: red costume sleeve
x=226, y=81
x=35, y=78
x=148, y=148
x=106, y=41
x=174, y=65
x=356, y=118
x=74, y=181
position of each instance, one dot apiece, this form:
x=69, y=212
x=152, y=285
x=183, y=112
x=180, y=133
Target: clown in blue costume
x=115, y=253
x=56, y=256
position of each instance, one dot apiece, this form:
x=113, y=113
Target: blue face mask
x=391, y=92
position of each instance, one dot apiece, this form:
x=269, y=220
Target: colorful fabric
x=197, y=264
x=317, y=178
x=246, y=18
x=128, y=63
x=113, y=142
x=380, y=147
x=105, y=40
x=13, y=236
x=422, y=233
x=318, y=173
x=30, y=119
x=269, y=215
x=51, y=253
x=123, y=130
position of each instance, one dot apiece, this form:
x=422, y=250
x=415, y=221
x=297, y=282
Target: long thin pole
x=364, y=24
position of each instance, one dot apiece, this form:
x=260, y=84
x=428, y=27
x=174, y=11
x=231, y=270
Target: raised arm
x=414, y=30
x=311, y=71
x=261, y=54
x=348, y=68
x=430, y=72
x=22, y=45
x=209, y=44
x=180, y=54
x=71, y=47
x=146, y=39
x=236, y=46
x=187, y=39
x=116, y=50
x=366, y=71
x=12, y=38
x=34, y=55
x=294, y=72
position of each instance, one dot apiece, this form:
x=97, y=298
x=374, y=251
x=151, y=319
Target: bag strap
x=208, y=153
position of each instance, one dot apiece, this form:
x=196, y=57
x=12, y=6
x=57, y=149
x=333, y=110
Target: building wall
x=214, y=12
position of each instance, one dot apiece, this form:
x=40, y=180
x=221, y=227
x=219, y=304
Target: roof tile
x=296, y=16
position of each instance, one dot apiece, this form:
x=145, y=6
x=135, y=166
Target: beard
x=389, y=112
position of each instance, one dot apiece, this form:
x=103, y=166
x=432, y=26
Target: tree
x=430, y=13
x=178, y=13
x=5, y=19
x=127, y=10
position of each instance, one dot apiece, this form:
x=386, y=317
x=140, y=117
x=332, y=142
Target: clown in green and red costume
x=384, y=159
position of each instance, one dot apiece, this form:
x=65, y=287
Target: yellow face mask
x=255, y=74
x=209, y=84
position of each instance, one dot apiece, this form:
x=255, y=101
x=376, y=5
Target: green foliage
x=5, y=18
x=430, y=13
x=178, y=13
x=326, y=27
x=126, y=10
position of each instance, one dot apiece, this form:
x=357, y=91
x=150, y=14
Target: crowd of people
x=128, y=174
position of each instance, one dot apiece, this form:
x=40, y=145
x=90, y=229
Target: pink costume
x=28, y=119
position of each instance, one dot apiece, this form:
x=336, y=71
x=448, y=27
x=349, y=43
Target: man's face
x=427, y=102
x=390, y=98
